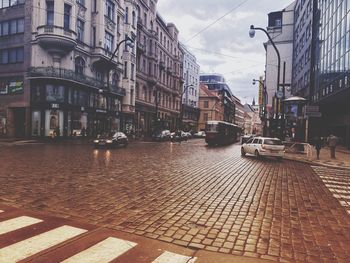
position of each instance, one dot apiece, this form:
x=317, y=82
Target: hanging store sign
x=10, y=87
x=15, y=87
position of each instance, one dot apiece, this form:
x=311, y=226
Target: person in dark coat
x=318, y=146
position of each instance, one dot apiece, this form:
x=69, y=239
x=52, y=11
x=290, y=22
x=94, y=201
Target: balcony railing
x=56, y=30
x=70, y=75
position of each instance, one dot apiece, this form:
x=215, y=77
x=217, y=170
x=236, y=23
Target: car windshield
x=250, y=140
x=119, y=134
x=103, y=135
x=273, y=142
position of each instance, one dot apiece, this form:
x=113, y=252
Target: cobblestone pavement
x=338, y=182
x=186, y=194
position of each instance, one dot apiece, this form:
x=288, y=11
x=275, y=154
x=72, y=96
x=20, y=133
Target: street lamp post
x=252, y=35
x=129, y=43
x=181, y=107
x=264, y=103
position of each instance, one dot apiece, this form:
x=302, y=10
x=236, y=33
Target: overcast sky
x=243, y=58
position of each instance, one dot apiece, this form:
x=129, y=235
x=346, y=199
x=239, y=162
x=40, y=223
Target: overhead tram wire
x=217, y=20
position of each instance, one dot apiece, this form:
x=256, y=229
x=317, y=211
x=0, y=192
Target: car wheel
x=257, y=154
x=243, y=153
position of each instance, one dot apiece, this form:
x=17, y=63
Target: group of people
x=332, y=141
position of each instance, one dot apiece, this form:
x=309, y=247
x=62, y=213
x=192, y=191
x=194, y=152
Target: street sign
x=313, y=114
x=309, y=108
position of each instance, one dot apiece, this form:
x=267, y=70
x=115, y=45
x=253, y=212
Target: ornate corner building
x=65, y=67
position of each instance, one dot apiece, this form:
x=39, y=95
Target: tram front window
x=211, y=127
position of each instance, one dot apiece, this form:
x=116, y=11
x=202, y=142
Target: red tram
x=220, y=132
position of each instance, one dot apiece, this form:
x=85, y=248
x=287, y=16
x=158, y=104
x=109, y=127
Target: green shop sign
x=16, y=87
x=11, y=87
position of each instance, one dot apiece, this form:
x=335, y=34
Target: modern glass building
x=332, y=81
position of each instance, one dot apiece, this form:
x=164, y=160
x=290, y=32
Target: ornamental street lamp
x=129, y=42
x=279, y=95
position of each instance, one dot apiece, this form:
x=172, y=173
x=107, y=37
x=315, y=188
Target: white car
x=263, y=146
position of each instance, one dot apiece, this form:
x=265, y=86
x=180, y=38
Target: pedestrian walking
x=318, y=146
x=332, y=142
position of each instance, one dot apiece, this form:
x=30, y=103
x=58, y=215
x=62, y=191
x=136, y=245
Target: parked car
x=111, y=140
x=200, y=134
x=164, y=135
x=178, y=136
x=188, y=135
x=263, y=146
x=246, y=137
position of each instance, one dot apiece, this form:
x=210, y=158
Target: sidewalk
x=342, y=160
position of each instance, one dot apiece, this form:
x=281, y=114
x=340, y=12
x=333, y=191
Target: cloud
x=242, y=58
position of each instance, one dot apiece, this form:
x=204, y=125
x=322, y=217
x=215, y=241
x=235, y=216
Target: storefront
x=12, y=107
x=59, y=108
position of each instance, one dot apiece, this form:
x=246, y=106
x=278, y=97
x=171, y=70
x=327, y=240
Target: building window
x=94, y=36
x=79, y=66
x=132, y=71
x=50, y=13
x=206, y=117
x=133, y=19
x=9, y=3
x=81, y=2
x=110, y=9
x=108, y=42
x=145, y=18
x=125, y=70
x=12, y=27
x=12, y=55
x=126, y=18
x=80, y=30
x=66, y=21
x=206, y=104
x=278, y=22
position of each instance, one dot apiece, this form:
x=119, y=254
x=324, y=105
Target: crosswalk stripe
x=104, y=251
x=168, y=257
x=17, y=223
x=33, y=245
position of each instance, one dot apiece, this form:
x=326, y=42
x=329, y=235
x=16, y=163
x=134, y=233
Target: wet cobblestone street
x=186, y=194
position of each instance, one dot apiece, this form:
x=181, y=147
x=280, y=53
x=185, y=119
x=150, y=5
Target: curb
x=318, y=164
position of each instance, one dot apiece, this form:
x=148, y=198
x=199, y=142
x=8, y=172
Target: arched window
x=79, y=65
x=138, y=11
x=133, y=19
x=151, y=25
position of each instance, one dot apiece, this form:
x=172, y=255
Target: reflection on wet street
x=187, y=194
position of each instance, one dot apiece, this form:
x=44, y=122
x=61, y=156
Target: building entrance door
x=19, y=122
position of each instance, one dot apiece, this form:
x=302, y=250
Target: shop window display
x=36, y=123
x=54, y=93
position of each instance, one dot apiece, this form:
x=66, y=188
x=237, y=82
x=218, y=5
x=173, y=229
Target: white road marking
x=1, y=211
x=33, y=245
x=168, y=257
x=17, y=223
x=104, y=251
